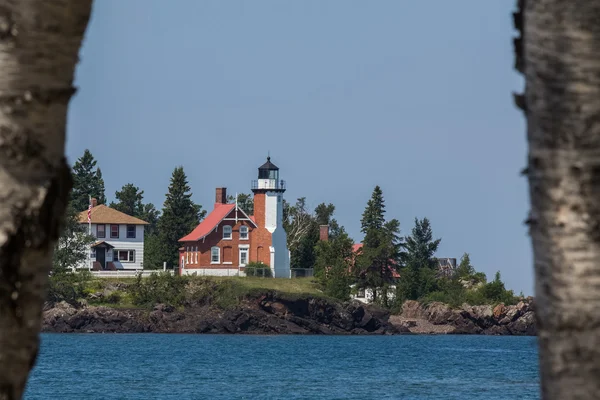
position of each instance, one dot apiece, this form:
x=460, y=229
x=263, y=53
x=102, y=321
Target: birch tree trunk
x=39, y=45
x=559, y=55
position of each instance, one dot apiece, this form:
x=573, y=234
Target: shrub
x=68, y=286
x=258, y=269
x=159, y=288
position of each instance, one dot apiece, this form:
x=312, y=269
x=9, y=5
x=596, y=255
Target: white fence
x=127, y=273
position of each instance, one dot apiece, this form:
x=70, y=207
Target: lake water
x=155, y=366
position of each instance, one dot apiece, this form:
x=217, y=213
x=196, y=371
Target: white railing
x=127, y=273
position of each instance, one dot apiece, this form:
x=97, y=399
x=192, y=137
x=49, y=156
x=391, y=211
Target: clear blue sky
x=414, y=96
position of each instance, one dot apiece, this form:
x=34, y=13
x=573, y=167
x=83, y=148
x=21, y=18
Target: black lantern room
x=268, y=170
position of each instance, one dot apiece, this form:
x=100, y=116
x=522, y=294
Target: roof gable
x=102, y=214
x=216, y=216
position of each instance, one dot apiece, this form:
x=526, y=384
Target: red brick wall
x=259, y=237
x=259, y=208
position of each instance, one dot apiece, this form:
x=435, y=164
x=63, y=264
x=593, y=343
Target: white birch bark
x=39, y=46
x=559, y=55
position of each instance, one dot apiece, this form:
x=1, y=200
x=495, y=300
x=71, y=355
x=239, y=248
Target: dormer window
x=243, y=232
x=227, y=232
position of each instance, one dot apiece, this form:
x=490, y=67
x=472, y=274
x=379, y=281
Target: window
x=187, y=255
x=101, y=231
x=361, y=293
x=215, y=255
x=114, y=231
x=130, y=231
x=243, y=232
x=196, y=254
x=127, y=256
x=243, y=256
x=227, y=232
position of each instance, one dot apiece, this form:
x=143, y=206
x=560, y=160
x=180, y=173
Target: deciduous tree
x=39, y=44
x=557, y=53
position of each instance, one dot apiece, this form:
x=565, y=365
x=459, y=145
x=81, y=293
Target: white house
x=119, y=239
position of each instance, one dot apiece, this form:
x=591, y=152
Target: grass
x=225, y=292
x=292, y=286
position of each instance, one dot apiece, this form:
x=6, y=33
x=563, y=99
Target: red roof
x=209, y=223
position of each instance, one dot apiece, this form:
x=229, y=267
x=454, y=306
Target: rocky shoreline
x=273, y=313
x=439, y=318
x=267, y=314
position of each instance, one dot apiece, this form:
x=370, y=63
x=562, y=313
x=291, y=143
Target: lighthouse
x=268, y=192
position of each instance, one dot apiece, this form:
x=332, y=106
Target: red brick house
x=228, y=239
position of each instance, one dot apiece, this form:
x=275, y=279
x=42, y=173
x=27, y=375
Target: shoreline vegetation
x=165, y=303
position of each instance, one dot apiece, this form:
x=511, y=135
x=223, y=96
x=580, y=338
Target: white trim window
x=187, y=254
x=124, y=256
x=227, y=232
x=243, y=232
x=196, y=254
x=215, y=255
x=244, y=253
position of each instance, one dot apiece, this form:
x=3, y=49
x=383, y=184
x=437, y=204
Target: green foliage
x=381, y=252
x=258, y=269
x=68, y=286
x=159, y=288
x=496, y=292
x=465, y=270
x=332, y=266
x=179, y=217
x=130, y=201
x=73, y=244
x=420, y=246
x=245, y=202
x=87, y=181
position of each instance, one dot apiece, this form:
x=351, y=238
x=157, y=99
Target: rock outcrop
x=267, y=314
x=436, y=318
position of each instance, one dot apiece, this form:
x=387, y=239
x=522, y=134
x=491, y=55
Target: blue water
x=154, y=366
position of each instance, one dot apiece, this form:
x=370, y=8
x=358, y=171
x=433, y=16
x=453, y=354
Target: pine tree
x=129, y=200
x=179, y=217
x=381, y=252
x=99, y=187
x=373, y=217
x=420, y=246
x=73, y=244
x=87, y=181
x=245, y=202
x=418, y=277
x=332, y=265
x=465, y=270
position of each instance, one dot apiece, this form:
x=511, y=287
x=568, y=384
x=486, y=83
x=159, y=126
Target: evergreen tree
x=73, y=244
x=420, y=246
x=179, y=217
x=101, y=197
x=245, y=202
x=129, y=200
x=87, y=181
x=418, y=277
x=465, y=269
x=151, y=215
x=324, y=216
x=381, y=252
x=332, y=265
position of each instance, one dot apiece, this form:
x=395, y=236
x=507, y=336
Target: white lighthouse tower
x=268, y=210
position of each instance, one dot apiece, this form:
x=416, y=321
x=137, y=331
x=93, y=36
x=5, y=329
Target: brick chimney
x=221, y=196
x=94, y=202
x=324, y=232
